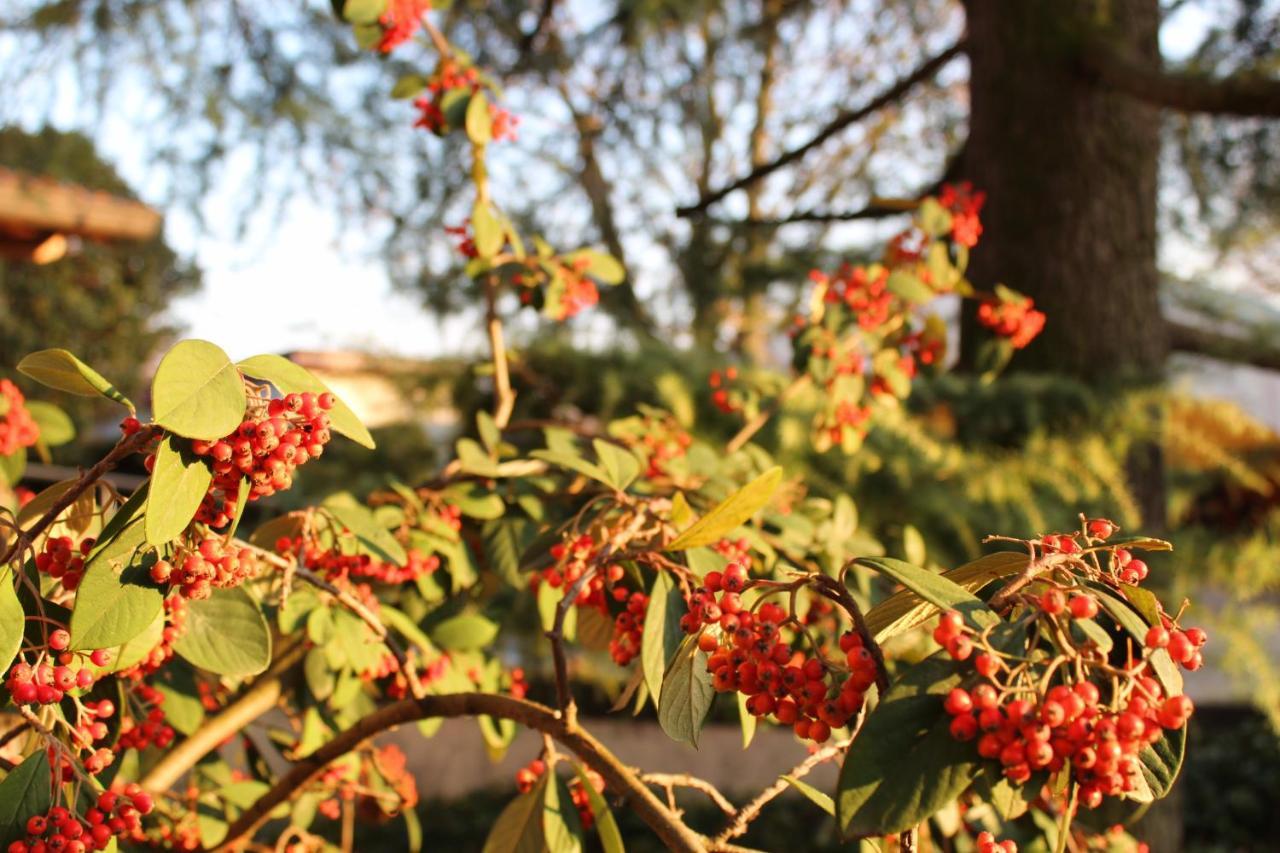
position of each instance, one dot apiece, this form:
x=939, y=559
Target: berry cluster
x=747, y=653
x=450, y=83
x=63, y=560
x=118, y=814
x=573, y=558
x=194, y=572
x=1061, y=699
x=660, y=440
x=863, y=292
x=151, y=731
x=964, y=204
x=400, y=21
x=1014, y=317
x=335, y=565
x=45, y=682
x=18, y=430
x=275, y=438
x=528, y=776
x=628, y=628
x=987, y=844
x=723, y=394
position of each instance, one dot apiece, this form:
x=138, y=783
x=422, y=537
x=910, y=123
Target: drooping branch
x=844, y=119
x=124, y=448
x=1248, y=93
x=617, y=776
x=1200, y=341
x=741, y=819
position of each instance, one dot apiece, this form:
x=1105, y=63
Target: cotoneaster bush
x=141, y=634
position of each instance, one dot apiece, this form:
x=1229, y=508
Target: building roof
x=38, y=215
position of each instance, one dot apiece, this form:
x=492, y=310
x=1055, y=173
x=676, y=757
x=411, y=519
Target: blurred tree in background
x=105, y=300
x=722, y=149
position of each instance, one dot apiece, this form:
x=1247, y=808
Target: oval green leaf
x=116, y=600
x=661, y=635
x=226, y=634
x=179, y=482
x=197, y=392
x=12, y=621
x=290, y=378
x=24, y=793
x=55, y=425
x=731, y=512
x=686, y=694
x=58, y=368
x=467, y=632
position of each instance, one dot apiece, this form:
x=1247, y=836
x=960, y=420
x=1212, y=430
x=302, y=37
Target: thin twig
x=743, y=817
x=684, y=780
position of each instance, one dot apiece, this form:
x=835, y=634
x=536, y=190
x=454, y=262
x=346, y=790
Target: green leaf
x=360, y=11
x=1161, y=761
x=182, y=707
x=661, y=635
x=139, y=646
x=474, y=459
x=12, y=621
x=408, y=86
x=818, y=798
x=489, y=432
x=572, y=461
x=686, y=693
x=1131, y=621
x=116, y=600
x=904, y=765
x=907, y=286
x=934, y=219
x=57, y=368
x=561, y=829
x=12, y=467
x=486, y=230
x=1009, y=800
x=606, y=826
x=504, y=541
x=55, y=425
x=226, y=634
x=603, y=267
x=371, y=536
x=620, y=466
x=290, y=378
x=26, y=792
x=479, y=123
x=465, y=632
x=197, y=392
x=1141, y=543
x=730, y=513
x=179, y=482
x=519, y=828
x=934, y=588
x=905, y=609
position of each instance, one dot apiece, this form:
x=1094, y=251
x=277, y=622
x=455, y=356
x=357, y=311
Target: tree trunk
x=1070, y=174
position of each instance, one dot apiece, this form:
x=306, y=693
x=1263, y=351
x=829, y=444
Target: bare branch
x=255, y=702
x=127, y=446
x=590, y=751
x=1248, y=93
x=742, y=819
x=844, y=119
x=1192, y=339
x=684, y=780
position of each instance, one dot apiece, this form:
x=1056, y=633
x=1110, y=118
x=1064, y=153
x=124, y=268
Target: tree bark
x=1069, y=168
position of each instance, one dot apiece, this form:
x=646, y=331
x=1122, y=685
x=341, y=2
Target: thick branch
x=259, y=699
x=590, y=751
x=1191, y=339
x=845, y=118
x=1243, y=94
